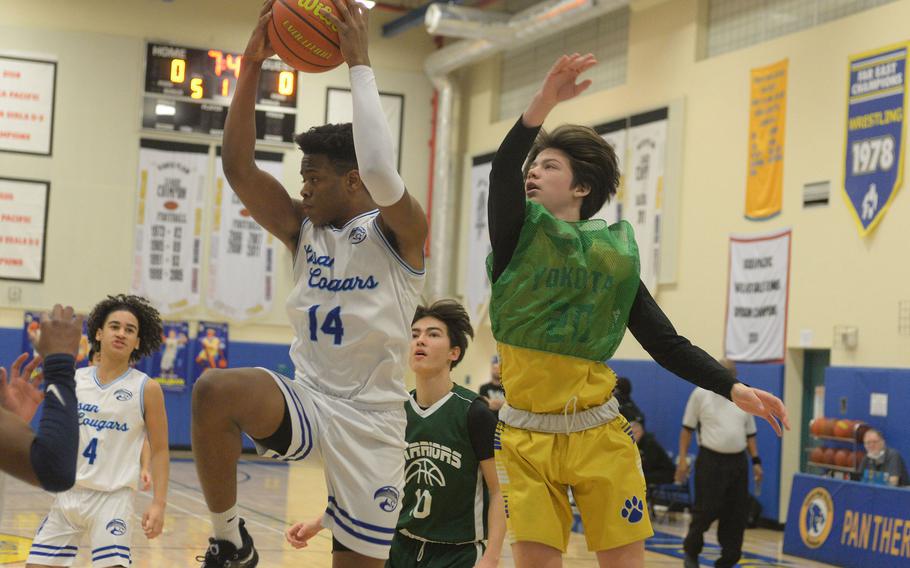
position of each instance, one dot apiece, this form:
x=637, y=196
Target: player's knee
x=209, y=388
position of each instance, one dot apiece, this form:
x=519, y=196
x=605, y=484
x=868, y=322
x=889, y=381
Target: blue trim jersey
x=111, y=430
x=351, y=310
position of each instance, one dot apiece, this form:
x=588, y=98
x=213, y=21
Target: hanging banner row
x=168, y=242
x=874, y=138
x=176, y=365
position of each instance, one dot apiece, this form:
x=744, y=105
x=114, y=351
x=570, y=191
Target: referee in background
x=721, y=472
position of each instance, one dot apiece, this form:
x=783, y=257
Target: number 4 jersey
x=111, y=429
x=351, y=310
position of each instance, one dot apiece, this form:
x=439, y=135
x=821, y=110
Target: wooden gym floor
x=273, y=495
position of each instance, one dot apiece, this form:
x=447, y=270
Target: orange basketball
x=829, y=456
x=842, y=457
x=815, y=426
x=843, y=428
x=827, y=426
x=302, y=35
x=817, y=455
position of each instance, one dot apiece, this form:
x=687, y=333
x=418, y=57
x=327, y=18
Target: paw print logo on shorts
x=633, y=509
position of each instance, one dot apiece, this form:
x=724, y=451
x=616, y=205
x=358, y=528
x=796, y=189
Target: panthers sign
x=848, y=523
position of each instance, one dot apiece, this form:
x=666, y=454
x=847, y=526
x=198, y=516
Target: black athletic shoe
x=689, y=562
x=223, y=553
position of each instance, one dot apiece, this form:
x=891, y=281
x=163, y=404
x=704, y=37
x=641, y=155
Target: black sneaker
x=223, y=553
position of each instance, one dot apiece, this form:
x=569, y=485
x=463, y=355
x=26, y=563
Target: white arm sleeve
x=373, y=141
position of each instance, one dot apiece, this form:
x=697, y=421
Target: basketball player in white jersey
x=357, y=239
x=118, y=407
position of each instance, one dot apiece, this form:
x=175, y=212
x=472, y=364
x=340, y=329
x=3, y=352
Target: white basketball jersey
x=111, y=430
x=351, y=310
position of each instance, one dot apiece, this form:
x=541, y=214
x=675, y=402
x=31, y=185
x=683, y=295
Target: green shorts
x=411, y=553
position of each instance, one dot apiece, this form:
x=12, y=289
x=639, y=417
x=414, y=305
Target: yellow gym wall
x=837, y=277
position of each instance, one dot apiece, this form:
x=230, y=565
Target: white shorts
x=107, y=517
x=363, y=453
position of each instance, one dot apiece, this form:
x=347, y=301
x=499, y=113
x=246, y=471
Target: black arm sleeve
x=56, y=443
x=481, y=429
x=506, y=200
x=673, y=352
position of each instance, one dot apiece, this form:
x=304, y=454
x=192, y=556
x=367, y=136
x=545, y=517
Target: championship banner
x=170, y=365
x=242, y=253
x=767, y=121
x=757, y=296
x=169, y=224
x=874, y=161
x=27, y=88
x=23, y=227
x=31, y=332
x=477, y=284
x=644, y=183
x=210, y=347
x=615, y=134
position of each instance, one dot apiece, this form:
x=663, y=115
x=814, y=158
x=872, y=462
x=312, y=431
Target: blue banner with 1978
x=875, y=133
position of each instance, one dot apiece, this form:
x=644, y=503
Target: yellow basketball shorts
x=602, y=467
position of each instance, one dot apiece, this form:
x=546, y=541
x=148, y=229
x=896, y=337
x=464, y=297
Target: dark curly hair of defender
x=150, y=329
x=593, y=161
x=458, y=324
x=335, y=141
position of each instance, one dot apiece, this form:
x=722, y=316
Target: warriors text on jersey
x=445, y=498
x=351, y=310
x=111, y=429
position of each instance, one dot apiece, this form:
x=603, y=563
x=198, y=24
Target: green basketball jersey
x=568, y=288
x=445, y=497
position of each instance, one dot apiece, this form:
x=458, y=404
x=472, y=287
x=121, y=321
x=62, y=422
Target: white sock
x=227, y=526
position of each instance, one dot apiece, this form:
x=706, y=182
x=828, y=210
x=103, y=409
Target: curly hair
x=150, y=328
x=594, y=163
x=458, y=324
x=335, y=141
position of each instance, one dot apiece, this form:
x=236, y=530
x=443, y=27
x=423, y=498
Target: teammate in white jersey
x=357, y=238
x=118, y=408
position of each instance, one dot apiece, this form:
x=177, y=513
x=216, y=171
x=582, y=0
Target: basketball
x=302, y=35
x=827, y=426
x=842, y=457
x=815, y=426
x=817, y=455
x=829, y=456
x=843, y=428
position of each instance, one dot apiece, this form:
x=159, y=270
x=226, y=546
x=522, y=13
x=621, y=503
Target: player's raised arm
x=400, y=213
x=263, y=195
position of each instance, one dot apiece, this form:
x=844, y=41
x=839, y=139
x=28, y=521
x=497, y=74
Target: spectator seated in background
x=881, y=464
x=623, y=393
x=655, y=461
x=492, y=392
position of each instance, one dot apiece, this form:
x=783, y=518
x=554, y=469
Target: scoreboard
x=189, y=90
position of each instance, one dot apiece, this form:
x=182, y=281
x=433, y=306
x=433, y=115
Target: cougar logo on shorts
x=357, y=235
x=123, y=395
x=116, y=527
x=389, y=496
x=632, y=510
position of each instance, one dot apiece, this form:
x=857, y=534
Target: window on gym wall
x=522, y=70
x=735, y=24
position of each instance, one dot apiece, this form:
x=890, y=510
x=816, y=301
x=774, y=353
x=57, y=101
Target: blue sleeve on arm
x=53, y=452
